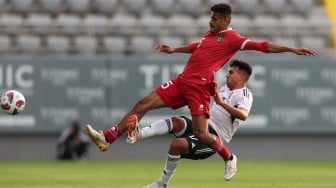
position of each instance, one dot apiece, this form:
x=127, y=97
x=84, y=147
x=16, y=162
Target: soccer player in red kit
x=196, y=84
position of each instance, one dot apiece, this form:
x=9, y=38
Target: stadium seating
x=99, y=23
x=11, y=23
x=51, y=6
x=68, y=24
x=39, y=23
x=5, y=44
x=135, y=7
x=85, y=44
x=115, y=44
x=172, y=40
x=152, y=25
x=78, y=6
x=124, y=24
x=108, y=7
x=277, y=7
x=162, y=7
x=58, y=44
x=29, y=44
x=22, y=6
x=96, y=24
x=142, y=44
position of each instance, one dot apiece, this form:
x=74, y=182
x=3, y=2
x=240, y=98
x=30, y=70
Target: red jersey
x=210, y=54
x=195, y=85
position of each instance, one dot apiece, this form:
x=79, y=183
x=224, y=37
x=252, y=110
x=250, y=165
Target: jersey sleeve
x=193, y=46
x=256, y=45
x=237, y=41
x=245, y=102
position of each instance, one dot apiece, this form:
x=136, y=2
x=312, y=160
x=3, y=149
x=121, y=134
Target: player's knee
x=178, y=146
x=178, y=123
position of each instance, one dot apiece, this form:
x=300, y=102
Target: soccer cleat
x=156, y=184
x=230, y=168
x=97, y=137
x=133, y=129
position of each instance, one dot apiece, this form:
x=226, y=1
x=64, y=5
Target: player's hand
x=304, y=51
x=218, y=98
x=164, y=48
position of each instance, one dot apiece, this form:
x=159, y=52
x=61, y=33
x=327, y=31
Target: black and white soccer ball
x=12, y=102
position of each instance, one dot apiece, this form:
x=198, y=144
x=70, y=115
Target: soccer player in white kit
x=232, y=105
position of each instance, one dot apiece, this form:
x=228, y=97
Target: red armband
x=256, y=45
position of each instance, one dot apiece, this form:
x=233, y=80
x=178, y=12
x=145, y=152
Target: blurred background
x=92, y=60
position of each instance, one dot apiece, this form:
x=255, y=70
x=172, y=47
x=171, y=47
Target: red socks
x=221, y=149
x=112, y=134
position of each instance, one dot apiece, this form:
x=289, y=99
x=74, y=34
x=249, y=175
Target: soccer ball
x=12, y=102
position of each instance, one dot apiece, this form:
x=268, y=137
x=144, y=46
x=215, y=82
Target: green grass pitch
x=190, y=174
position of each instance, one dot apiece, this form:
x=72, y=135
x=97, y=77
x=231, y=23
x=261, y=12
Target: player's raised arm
x=270, y=47
x=169, y=50
x=276, y=48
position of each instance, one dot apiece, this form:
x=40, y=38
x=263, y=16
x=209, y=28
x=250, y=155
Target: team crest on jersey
x=220, y=37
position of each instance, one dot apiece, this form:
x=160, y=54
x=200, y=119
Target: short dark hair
x=243, y=66
x=222, y=8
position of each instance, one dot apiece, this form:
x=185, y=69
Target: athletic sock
x=157, y=128
x=112, y=134
x=170, y=167
x=221, y=149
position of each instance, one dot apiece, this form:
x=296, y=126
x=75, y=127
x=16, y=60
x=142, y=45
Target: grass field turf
x=190, y=174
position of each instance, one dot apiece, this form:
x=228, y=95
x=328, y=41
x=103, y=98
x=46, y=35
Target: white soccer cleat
x=156, y=184
x=230, y=168
x=133, y=129
x=97, y=137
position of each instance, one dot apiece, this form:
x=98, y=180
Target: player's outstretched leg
x=133, y=129
x=156, y=184
x=230, y=167
x=97, y=137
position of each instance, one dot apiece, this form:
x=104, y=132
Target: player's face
x=218, y=23
x=233, y=77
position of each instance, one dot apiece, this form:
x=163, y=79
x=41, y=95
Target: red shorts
x=176, y=94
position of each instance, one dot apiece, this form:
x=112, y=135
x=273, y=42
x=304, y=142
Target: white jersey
x=220, y=119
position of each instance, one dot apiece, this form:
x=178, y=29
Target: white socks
x=157, y=128
x=171, y=164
